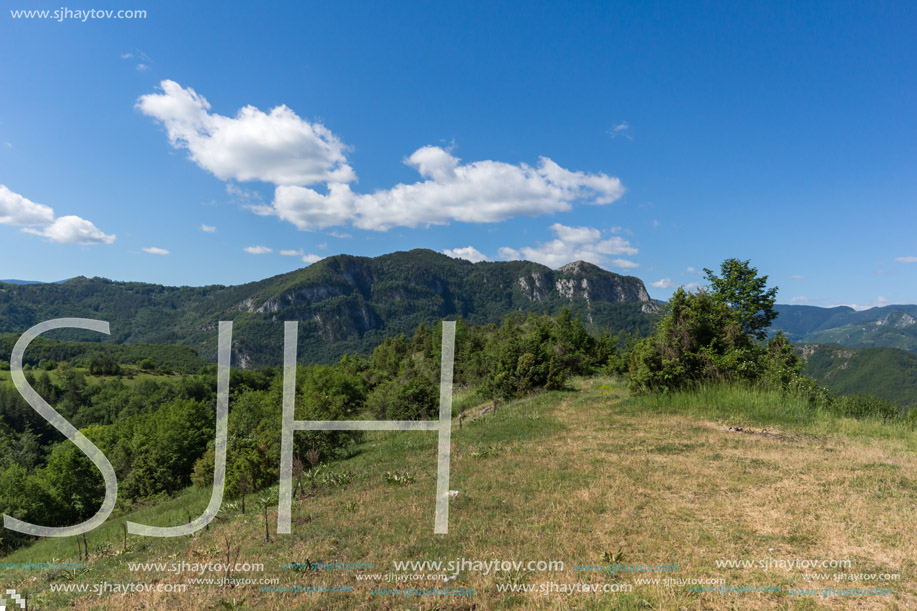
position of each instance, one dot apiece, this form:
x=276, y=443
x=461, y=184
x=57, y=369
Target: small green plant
x=491, y=449
x=399, y=478
x=333, y=479
x=613, y=557
x=514, y=578
x=232, y=605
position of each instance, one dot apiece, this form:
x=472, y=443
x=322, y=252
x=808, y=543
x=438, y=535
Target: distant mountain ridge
x=893, y=326
x=343, y=303
x=13, y=281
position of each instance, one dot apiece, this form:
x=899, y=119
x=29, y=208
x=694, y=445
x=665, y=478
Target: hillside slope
x=344, y=303
x=887, y=373
x=587, y=478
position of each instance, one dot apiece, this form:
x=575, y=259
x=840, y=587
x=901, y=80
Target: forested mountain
x=887, y=373
x=893, y=326
x=345, y=304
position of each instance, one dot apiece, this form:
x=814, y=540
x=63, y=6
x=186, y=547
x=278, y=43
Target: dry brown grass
x=592, y=475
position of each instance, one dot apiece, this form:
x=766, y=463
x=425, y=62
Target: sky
x=227, y=142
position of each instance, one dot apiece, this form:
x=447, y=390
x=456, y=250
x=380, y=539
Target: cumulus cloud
x=39, y=219
x=664, y=283
x=575, y=244
x=311, y=258
x=906, y=260
x=277, y=147
x=258, y=250
x=208, y=229
x=469, y=253
x=292, y=253
x=18, y=210
x=476, y=192
x=155, y=251
x=308, y=166
x=73, y=230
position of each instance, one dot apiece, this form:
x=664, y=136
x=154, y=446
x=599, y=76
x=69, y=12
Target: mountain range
x=344, y=303
x=347, y=304
x=893, y=326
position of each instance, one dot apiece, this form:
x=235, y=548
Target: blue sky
x=653, y=139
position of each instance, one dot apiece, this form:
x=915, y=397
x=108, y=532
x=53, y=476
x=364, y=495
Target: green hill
x=887, y=373
x=345, y=304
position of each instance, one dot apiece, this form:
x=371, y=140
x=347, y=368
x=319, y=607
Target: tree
x=746, y=294
x=699, y=339
x=104, y=366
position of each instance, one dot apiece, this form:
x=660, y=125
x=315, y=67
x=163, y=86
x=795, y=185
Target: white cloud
x=208, y=229
x=469, y=253
x=691, y=286
x=664, y=283
x=8, y=144
x=339, y=235
x=692, y=270
x=620, y=130
x=126, y=55
x=73, y=230
x=248, y=198
x=22, y=212
x=878, y=303
x=575, y=244
x=277, y=147
x=311, y=258
x=655, y=223
x=906, y=260
x=800, y=299
x=295, y=155
x=18, y=210
x=142, y=67
x=155, y=251
x=477, y=192
x=576, y=235
x=258, y=250
x=292, y=253
x=797, y=277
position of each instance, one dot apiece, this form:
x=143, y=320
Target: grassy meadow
x=587, y=476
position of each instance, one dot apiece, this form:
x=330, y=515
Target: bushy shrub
x=699, y=340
